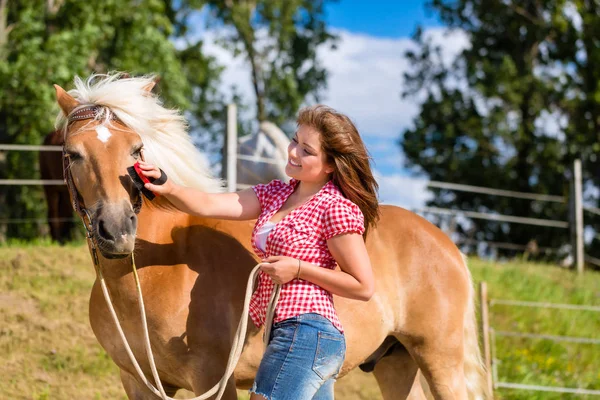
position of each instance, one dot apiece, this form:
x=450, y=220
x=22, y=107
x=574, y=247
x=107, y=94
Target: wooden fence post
x=485, y=335
x=229, y=164
x=578, y=209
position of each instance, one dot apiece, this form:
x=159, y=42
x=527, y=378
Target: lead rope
x=238, y=342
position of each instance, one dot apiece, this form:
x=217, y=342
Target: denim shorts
x=302, y=361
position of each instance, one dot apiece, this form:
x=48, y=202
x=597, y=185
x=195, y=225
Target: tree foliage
x=50, y=42
x=280, y=39
x=43, y=42
x=484, y=117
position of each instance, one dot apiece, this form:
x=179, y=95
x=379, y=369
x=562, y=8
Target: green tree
x=578, y=51
x=46, y=42
x=280, y=39
x=49, y=41
x=481, y=121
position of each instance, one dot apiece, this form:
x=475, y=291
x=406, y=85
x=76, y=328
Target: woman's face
x=306, y=159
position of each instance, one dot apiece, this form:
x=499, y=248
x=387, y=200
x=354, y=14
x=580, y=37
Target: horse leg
x=441, y=360
x=137, y=390
x=211, y=374
x=397, y=376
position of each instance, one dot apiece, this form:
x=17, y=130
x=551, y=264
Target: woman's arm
x=241, y=205
x=354, y=280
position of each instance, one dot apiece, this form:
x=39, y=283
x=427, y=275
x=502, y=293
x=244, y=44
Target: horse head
x=98, y=149
x=108, y=122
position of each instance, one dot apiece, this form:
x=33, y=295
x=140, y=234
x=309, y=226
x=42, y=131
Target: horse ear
x=148, y=88
x=66, y=102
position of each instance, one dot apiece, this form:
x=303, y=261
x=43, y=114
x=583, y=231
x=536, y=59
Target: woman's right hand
x=153, y=172
x=243, y=205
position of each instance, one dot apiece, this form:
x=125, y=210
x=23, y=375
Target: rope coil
x=238, y=341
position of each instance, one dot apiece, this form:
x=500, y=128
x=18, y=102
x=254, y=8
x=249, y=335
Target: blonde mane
x=167, y=143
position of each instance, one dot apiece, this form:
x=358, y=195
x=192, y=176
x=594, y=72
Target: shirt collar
x=329, y=187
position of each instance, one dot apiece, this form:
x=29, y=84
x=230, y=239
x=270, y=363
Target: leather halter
x=82, y=114
x=87, y=112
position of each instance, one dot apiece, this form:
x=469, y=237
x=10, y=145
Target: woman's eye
x=295, y=140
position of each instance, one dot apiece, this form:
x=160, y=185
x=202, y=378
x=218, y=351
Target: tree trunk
x=4, y=28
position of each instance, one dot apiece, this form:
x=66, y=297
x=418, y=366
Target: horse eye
x=74, y=156
x=136, y=153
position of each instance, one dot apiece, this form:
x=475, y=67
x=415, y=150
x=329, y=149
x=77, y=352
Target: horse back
x=419, y=273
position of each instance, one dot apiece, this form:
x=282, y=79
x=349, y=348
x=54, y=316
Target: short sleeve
x=265, y=191
x=343, y=217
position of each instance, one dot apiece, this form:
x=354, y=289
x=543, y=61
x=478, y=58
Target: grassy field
x=49, y=351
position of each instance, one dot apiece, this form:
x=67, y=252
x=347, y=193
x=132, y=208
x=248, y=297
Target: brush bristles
x=139, y=183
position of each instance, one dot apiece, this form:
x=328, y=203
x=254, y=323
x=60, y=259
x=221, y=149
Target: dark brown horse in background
x=60, y=211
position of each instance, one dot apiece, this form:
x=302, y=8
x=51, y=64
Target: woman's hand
x=281, y=269
x=153, y=172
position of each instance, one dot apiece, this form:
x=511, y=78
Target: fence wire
x=493, y=334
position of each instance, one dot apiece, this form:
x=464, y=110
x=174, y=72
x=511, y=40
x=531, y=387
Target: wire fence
x=29, y=182
x=232, y=155
x=489, y=335
x=576, y=224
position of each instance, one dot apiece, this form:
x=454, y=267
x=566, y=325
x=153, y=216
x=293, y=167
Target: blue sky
x=365, y=79
x=386, y=19
x=381, y=18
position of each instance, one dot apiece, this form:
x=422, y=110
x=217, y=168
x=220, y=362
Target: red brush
x=139, y=180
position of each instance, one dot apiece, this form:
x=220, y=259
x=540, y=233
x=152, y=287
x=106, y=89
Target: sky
x=365, y=80
x=380, y=18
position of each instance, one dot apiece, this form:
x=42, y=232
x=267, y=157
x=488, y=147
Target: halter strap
x=87, y=112
x=82, y=114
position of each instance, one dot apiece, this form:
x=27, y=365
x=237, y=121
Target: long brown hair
x=347, y=153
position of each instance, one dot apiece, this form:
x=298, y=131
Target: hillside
x=50, y=352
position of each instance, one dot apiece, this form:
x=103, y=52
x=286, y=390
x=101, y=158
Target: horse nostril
x=133, y=223
x=103, y=232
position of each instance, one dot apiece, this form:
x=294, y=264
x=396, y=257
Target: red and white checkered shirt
x=302, y=234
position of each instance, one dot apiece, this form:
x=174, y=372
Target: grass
x=539, y=361
x=49, y=351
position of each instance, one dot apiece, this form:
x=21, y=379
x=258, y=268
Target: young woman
x=303, y=230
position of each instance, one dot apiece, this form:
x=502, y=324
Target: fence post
x=230, y=164
x=485, y=329
x=578, y=210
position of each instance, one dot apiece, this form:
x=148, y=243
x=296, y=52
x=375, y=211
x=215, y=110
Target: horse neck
x=115, y=270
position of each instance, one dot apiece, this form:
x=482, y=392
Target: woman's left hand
x=281, y=269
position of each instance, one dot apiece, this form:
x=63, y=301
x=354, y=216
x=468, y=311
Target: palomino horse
x=193, y=271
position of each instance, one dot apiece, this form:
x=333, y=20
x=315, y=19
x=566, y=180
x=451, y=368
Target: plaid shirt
x=302, y=234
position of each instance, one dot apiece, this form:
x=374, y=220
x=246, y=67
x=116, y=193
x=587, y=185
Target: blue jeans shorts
x=302, y=361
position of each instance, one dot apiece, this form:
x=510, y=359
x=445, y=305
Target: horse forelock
x=163, y=131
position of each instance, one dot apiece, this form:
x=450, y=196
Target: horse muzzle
x=114, y=230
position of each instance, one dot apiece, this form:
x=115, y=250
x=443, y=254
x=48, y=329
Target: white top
x=261, y=235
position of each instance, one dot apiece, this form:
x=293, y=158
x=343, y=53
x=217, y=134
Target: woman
x=303, y=230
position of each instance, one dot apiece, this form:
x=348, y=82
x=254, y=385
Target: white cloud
x=365, y=82
x=366, y=79
x=402, y=191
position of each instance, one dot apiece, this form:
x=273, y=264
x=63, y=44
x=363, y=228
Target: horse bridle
x=82, y=114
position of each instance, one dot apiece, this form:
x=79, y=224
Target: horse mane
x=167, y=143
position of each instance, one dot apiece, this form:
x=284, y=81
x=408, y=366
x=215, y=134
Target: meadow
x=50, y=352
